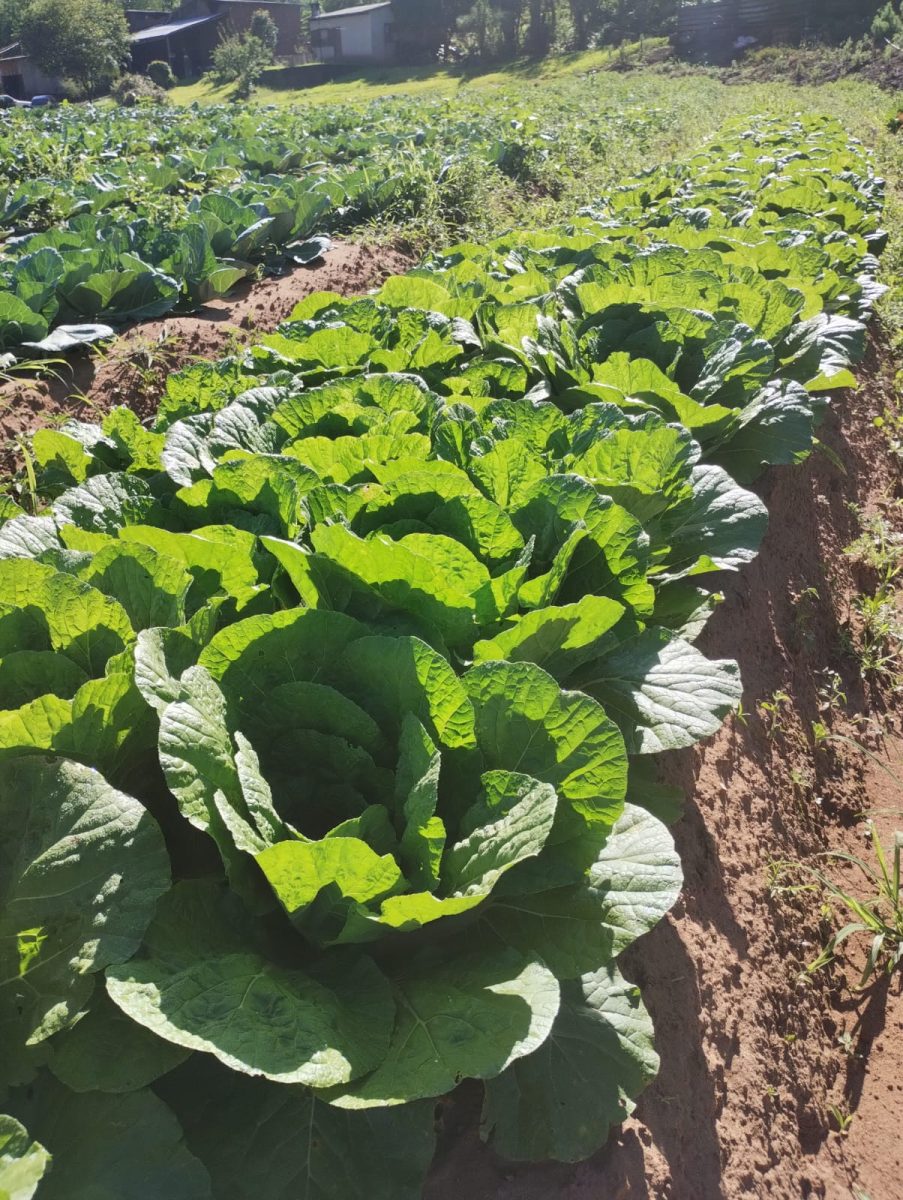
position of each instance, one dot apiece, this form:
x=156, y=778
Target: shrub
x=240, y=59
x=130, y=90
x=160, y=73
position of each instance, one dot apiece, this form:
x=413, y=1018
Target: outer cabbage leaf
x=205, y=982
x=23, y=1162
x=561, y=1101
x=633, y=883
x=112, y=1147
x=460, y=1014
x=248, y=1130
x=65, y=916
x=663, y=692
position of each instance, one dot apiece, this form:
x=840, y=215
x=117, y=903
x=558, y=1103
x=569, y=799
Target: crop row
x=119, y=215
x=330, y=702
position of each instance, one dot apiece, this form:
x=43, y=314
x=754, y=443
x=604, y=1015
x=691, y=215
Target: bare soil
x=755, y=1053
x=134, y=367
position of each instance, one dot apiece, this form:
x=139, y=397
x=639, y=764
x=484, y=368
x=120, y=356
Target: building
x=186, y=44
x=719, y=29
x=21, y=78
x=365, y=34
x=186, y=37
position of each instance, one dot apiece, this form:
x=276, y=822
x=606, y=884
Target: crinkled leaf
x=561, y=1101
x=460, y=1015
x=204, y=981
x=82, y=867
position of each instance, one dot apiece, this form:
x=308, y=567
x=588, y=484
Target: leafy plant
x=347, y=673
x=160, y=72
x=240, y=58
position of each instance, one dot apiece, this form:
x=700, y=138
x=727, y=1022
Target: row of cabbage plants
x=111, y=215
x=330, y=702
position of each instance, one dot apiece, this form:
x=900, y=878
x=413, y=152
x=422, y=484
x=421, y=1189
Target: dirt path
x=134, y=367
x=754, y=1056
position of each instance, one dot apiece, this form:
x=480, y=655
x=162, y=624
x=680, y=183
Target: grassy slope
x=370, y=84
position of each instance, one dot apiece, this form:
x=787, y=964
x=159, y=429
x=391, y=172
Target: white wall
x=363, y=36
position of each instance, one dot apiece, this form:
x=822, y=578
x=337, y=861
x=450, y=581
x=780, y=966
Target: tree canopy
x=85, y=41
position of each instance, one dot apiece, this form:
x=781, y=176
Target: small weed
x=841, y=1118
x=880, y=917
x=879, y=644
x=31, y=483
x=806, y=605
x=803, y=780
x=820, y=733
x=12, y=369
x=774, y=713
x=829, y=692
x=879, y=546
x=881, y=636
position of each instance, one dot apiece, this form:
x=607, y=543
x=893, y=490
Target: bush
x=137, y=89
x=160, y=73
x=240, y=59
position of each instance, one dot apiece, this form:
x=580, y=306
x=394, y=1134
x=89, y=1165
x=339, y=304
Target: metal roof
x=155, y=32
x=352, y=12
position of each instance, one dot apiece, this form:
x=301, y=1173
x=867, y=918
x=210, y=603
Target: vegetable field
x=332, y=700
x=116, y=215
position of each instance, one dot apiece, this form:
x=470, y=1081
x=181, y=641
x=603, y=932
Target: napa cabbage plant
x=329, y=703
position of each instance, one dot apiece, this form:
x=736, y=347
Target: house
x=186, y=37
x=718, y=29
x=185, y=44
x=21, y=78
x=365, y=34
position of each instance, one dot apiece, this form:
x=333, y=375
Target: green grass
x=373, y=83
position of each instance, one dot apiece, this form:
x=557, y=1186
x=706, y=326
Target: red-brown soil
x=754, y=1051
x=132, y=369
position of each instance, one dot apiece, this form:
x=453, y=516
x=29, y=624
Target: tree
x=264, y=28
x=85, y=41
x=582, y=12
x=10, y=19
x=481, y=29
x=240, y=58
x=887, y=25
x=424, y=27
